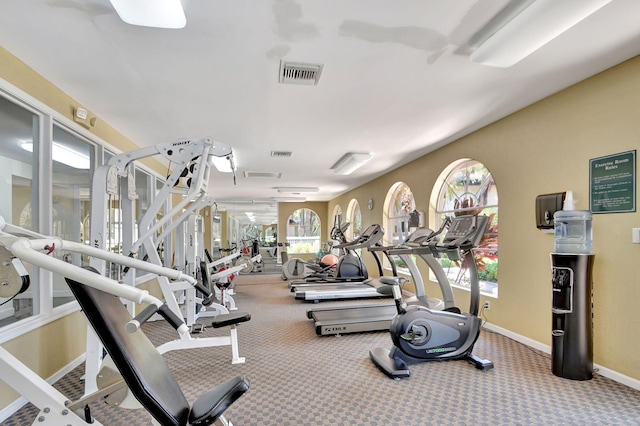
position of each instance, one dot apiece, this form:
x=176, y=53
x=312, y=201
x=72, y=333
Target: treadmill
x=369, y=238
x=378, y=317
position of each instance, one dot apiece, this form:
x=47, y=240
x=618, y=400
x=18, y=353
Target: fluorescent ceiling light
x=64, y=155
x=535, y=26
x=224, y=164
x=350, y=162
x=151, y=13
x=297, y=189
x=289, y=199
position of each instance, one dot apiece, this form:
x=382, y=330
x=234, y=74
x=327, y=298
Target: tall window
x=71, y=192
x=338, y=221
x=303, y=231
x=18, y=194
x=467, y=187
x=354, y=216
x=46, y=169
x=398, y=206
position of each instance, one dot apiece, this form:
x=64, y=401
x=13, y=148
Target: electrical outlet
x=487, y=306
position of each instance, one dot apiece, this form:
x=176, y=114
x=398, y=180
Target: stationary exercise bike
x=420, y=334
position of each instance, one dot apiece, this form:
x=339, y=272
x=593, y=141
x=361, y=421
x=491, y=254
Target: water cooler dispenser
x=572, y=309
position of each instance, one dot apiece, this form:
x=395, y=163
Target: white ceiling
x=397, y=80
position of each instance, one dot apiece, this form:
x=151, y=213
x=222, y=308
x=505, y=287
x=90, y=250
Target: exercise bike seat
x=143, y=368
x=231, y=318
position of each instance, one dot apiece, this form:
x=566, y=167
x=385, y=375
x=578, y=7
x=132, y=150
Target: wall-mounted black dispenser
x=546, y=206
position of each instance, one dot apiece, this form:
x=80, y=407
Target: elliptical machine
x=420, y=334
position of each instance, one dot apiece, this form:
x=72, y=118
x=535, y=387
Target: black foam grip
x=145, y=314
x=202, y=289
x=171, y=318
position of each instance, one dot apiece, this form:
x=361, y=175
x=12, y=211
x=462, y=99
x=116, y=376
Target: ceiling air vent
x=273, y=175
x=281, y=154
x=299, y=73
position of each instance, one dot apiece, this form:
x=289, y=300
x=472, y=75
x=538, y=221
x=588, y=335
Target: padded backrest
x=142, y=367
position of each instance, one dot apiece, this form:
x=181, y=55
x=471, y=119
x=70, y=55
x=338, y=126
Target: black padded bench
x=232, y=318
x=143, y=368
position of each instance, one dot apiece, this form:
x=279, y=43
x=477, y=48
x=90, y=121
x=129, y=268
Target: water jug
x=573, y=229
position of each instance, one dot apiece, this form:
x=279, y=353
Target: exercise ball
x=329, y=260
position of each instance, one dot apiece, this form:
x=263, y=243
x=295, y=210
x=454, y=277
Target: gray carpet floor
x=298, y=378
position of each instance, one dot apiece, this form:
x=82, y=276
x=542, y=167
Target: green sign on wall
x=613, y=183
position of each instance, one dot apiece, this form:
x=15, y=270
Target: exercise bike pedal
x=481, y=364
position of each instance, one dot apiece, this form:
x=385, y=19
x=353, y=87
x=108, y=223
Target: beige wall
x=541, y=149
x=47, y=350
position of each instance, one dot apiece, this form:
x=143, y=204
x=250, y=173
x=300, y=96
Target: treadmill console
x=418, y=237
x=466, y=231
x=370, y=236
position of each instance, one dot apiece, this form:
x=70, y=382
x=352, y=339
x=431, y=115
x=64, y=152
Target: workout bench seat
x=143, y=368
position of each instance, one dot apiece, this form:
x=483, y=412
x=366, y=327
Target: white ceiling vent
x=272, y=175
x=299, y=73
x=281, y=154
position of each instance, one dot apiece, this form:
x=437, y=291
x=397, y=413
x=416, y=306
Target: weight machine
x=192, y=160
x=134, y=374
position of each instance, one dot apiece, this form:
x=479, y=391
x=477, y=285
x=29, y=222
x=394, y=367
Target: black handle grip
x=202, y=289
x=166, y=313
x=135, y=323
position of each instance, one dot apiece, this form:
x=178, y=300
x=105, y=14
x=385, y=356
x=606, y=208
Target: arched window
x=303, y=231
x=399, y=203
x=354, y=216
x=467, y=187
x=338, y=219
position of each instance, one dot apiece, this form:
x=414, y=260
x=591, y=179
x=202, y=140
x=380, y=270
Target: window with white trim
x=398, y=205
x=354, y=216
x=303, y=231
x=467, y=187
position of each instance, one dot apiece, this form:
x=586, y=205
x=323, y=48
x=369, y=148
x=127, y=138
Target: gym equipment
x=189, y=179
x=133, y=364
x=350, y=267
x=250, y=258
x=342, y=288
x=296, y=268
x=420, y=334
x=14, y=278
x=220, y=274
x=378, y=317
x=310, y=271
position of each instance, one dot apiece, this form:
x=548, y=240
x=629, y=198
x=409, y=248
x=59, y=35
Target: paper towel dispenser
x=546, y=206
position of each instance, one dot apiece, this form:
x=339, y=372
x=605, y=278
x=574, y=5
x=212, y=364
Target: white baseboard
x=10, y=409
x=603, y=371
